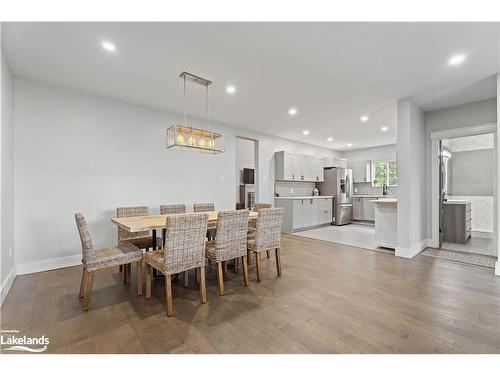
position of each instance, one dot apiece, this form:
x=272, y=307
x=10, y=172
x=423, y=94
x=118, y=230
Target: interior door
x=442, y=193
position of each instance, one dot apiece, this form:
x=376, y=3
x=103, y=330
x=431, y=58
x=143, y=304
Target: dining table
x=158, y=222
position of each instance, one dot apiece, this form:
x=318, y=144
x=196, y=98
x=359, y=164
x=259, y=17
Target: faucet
x=384, y=189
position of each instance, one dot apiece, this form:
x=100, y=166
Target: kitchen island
x=386, y=222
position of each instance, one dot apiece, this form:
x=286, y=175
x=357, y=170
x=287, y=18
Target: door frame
x=256, y=163
x=436, y=136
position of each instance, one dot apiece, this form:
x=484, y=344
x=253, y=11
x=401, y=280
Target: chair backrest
x=185, y=241
x=258, y=206
x=203, y=207
x=127, y=212
x=268, y=227
x=88, y=252
x=167, y=209
x=231, y=239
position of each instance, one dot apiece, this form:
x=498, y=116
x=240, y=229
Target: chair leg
x=168, y=295
x=129, y=273
x=121, y=267
x=124, y=273
x=197, y=273
x=268, y=253
x=220, y=278
x=245, y=270
x=249, y=257
x=203, y=287
x=224, y=268
x=139, y=278
x=82, y=284
x=88, y=290
x=278, y=261
x=257, y=266
x=186, y=279
x=148, y=281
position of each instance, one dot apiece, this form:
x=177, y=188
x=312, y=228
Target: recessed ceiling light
x=305, y=132
x=349, y=145
x=292, y=111
x=457, y=59
x=329, y=139
x=384, y=128
x=230, y=89
x=364, y=118
x=108, y=46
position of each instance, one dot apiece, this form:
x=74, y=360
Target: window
x=384, y=172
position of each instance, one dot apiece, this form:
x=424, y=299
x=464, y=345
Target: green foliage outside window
x=384, y=172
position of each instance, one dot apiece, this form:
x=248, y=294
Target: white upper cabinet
x=296, y=167
x=332, y=162
x=361, y=170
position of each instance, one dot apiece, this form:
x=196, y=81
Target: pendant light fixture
x=184, y=137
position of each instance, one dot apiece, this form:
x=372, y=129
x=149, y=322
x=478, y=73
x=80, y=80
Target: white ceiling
x=331, y=72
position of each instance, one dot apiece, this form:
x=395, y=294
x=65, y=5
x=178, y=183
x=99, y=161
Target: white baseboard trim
x=5, y=287
x=413, y=250
x=431, y=243
x=49, y=264
x=497, y=268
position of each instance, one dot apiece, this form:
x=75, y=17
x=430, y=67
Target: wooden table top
x=142, y=223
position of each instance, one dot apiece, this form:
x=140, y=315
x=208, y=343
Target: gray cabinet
x=296, y=214
x=296, y=167
x=361, y=170
x=363, y=209
x=357, y=208
x=305, y=213
x=457, y=222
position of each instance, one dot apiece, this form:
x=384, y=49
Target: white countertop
x=307, y=197
x=372, y=196
x=456, y=201
x=386, y=200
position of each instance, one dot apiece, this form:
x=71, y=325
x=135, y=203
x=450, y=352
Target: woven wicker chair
x=230, y=243
x=97, y=259
x=140, y=239
x=184, y=250
x=169, y=209
x=205, y=207
x=267, y=236
x=251, y=226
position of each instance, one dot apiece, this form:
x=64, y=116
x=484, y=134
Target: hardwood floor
x=331, y=298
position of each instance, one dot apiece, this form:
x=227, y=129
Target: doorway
x=246, y=184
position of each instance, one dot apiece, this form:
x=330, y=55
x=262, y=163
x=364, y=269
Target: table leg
x=155, y=247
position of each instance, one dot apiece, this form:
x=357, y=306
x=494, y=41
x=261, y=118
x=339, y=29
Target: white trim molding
x=497, y=268
x=5, y=287
x=465, y=131
x=413, y=250
x=49, y=264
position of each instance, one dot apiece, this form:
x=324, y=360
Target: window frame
x=387, y=163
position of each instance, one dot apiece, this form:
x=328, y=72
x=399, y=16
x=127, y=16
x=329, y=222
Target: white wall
x=411, y=179
x=483, y=112
x=497, y=184
x=7, y=269
x=78, y=152
x=386, y=152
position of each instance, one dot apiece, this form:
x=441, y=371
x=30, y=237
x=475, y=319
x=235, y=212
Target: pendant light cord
x=185, y=103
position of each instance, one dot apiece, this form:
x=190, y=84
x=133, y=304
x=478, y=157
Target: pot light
x=349, y=145
x=305, y=132
x=292, y=111
x=364, y=118
x=384, y=128
x=329, y=139
x=230, y=89
x=456, y=60
x=108, y=46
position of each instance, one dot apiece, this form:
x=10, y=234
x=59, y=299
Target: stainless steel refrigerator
x=338, y=183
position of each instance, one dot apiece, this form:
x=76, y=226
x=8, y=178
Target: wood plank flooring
x=331, y=298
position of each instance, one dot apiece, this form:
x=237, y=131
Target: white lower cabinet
x=363, y=209
x=305, y=213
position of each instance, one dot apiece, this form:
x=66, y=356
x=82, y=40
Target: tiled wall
x=367, y=188
x=300, y=188
x=481, y=212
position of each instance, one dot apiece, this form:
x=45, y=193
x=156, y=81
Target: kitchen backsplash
x=294, y=188
x=367, y=188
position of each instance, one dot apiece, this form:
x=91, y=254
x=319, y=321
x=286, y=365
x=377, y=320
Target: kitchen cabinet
x=332, y=162
x=357, y=208
x=363, y=209
x=297, y=167
x=457, y=221
x=361, y=170
x=303, y=213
